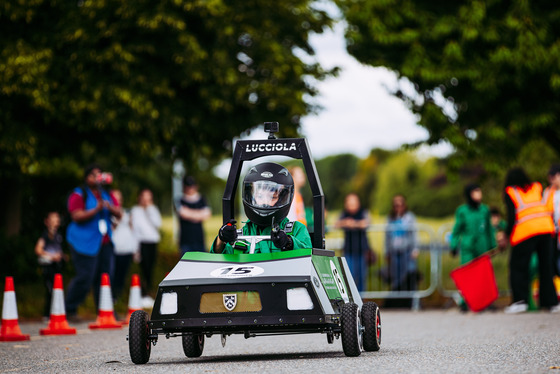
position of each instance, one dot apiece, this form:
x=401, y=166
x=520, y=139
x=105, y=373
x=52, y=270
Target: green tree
x=336, y=173
x=428, y=191
x=126, y=83
x=485, y=75
x=366, y=178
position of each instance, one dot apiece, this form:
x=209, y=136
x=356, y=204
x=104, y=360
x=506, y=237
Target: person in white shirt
x=125, y=246
x=146, y=221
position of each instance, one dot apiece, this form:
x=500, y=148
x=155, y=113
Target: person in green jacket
x=473, y=233
x=268, y=191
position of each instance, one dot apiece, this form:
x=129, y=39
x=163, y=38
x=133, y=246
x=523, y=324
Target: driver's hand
x=228, y=232
x=281, y=240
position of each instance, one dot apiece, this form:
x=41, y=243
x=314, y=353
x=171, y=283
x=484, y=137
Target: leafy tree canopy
x=423, y=182
x=132, y=78
x=336, y=173
x=126, y=82
x=485, y=74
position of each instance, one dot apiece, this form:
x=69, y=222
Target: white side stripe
x=9, y=307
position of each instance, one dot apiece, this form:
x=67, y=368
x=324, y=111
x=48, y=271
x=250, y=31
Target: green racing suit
x=299, y=235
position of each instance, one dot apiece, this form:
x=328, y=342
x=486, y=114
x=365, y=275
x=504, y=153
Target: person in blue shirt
x=401, y=247
x=89, y=236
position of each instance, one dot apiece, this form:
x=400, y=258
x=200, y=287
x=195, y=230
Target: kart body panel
x=263, y=288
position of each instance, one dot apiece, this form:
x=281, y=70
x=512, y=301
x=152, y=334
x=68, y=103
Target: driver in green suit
x=268, y=191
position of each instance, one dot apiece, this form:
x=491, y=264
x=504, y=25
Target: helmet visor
x=267, y=194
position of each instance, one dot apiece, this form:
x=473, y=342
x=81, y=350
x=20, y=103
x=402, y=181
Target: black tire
x=371, y=320
x=193, y=345
x=351, y=330
x=138, y=332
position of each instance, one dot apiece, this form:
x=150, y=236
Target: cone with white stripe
x=106, y=315
x=10, y=331
x=134, y=298
x=58, y=325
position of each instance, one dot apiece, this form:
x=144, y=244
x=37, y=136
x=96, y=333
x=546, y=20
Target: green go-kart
x=256, y=294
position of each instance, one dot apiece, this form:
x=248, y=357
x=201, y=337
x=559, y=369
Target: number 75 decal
x=237, y=271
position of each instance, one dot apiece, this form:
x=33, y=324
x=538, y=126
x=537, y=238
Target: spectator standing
x=354, y=220
x=89, y=236
x=499, y=225
x=552, y=198
x=530, y=229
x=297, y=209
x=401, y=248
x=472, y=234
x=193, y=211
x=146, y=222
x=50, y=256
x=126, y=246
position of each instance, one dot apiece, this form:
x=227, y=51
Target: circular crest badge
x=316, y=282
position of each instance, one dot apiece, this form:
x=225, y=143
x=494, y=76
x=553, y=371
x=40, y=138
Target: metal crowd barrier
x=378, y=283
x=433, y=264
x=445, y=285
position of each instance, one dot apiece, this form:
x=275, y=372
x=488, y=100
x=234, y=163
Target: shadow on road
x=255, y=357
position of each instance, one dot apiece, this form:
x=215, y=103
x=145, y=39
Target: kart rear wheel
x=138, y=332
x=351, y=330
x=193, y=344
x=371, y=320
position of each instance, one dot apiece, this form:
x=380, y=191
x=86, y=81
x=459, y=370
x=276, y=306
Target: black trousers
x=519, y=270
x=556, y=255
x=148, y=253
x=48, y=272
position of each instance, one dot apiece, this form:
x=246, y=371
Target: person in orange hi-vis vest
x=297, y=210
x=552, y=197
x=530, y=228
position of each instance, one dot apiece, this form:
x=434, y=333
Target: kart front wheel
x=138, y=332
x=371, y=320
x=351, y=330
x=193, y=344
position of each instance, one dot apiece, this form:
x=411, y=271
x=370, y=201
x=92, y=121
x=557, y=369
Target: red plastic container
x=476, y=282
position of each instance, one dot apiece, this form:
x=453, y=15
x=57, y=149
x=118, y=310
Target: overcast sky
x=359, y=112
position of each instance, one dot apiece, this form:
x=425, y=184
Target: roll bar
x=297, y=148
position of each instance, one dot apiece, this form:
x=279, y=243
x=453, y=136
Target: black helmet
x=268, y=190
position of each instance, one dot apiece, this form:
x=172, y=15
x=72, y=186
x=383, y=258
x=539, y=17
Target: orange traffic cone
x=58, y=325
x=10, y=331
x=134, y=298
x=105, y=317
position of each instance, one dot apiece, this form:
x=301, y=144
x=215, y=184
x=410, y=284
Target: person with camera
x=268, y=192
x=89, y=236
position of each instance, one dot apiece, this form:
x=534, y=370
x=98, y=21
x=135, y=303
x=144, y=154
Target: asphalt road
x=412, y=342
